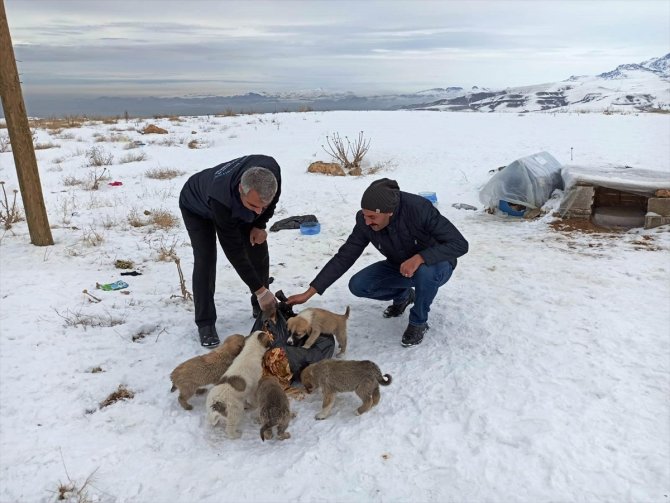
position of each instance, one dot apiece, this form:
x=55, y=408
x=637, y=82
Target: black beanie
x=382, y=196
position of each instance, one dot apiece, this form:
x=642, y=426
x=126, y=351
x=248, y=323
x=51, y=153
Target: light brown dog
x=337, y=376
x=314, y=322
x=205, y=369
x=274, y=408
x=238, y=384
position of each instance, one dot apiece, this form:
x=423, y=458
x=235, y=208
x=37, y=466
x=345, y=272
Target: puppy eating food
x=238, y=384
x=274, y=408
x=337, y=376
x=205, y=369
x=314, y=321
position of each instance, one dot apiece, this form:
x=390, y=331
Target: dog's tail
x=384, y=380
x=346, y=313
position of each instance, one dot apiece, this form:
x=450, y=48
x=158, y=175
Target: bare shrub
x=185, y=294
x=133, y=157
x=163, y=219
x=163, y=173
x=91, y=237
x=71, y=492
x=64, y=136
x=381, y=166
x=193, y=144
x=72, y=181
x=95, y=176
x=135, y=219
x=98, y=157
x=9, y=214
x=47, y=145
x=5, y=144
x=349, y=155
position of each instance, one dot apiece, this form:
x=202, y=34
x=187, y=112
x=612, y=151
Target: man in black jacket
x=233, y=201
x=420, y=245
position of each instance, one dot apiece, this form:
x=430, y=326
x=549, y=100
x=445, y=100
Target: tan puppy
x=274, y=408
x=205, y=369
x=337, y=376
x=238, y=384
x=314, y=322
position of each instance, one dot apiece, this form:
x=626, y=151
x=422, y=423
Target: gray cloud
x=88, y=47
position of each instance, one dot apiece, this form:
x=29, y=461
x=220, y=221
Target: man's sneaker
x=395, y=310
x=414, y=334
x=208, y=336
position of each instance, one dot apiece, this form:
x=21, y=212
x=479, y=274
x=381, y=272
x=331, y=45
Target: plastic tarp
x=638, y=181
x=528, y=181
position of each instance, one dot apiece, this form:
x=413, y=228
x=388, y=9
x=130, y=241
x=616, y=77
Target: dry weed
x=121, y=393
x=133, y=157
x=163, y=173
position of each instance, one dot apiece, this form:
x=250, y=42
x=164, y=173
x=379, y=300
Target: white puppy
x=238, y=384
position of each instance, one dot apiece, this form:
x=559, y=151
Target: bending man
x=233, y=201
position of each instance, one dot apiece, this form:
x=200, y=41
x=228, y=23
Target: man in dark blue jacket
x=420, y=245
x=233, y=201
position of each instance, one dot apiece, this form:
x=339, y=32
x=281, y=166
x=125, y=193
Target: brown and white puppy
x=314, y=321
x=238, y=384
x=337, y=376
x=205, y=369
x=274, y=408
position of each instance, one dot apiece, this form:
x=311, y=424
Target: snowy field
x=544, y=377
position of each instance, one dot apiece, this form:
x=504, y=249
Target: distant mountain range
x=639, y=87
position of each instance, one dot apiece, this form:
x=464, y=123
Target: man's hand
x=301, y=298
x=409, y=266
x=257, y=236
x=266, y=299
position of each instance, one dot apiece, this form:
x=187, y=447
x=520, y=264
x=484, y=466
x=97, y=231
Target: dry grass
x=78, y=319
x=121, y=393
x=72, y=121
x=45, y=146
x=163, y=173
x=99, y=157
x=164, y=219
x=9, y=213
x=193, y=144
x=72, y=181
x=133, y=157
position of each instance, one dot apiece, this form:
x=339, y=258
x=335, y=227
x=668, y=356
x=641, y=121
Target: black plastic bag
x=298, y=357
x=292, y=222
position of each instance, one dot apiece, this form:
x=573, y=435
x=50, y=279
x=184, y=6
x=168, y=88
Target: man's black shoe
x=414, y=334
x=208, y=336
x=395, y=310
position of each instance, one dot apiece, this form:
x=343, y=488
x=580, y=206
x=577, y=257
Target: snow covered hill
x=629, y=87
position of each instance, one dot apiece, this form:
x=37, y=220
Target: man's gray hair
x=262, y=181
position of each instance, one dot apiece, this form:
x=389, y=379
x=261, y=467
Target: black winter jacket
x=415, y=227
x=214, y=194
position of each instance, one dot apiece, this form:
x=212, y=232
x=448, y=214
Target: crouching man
x=421, y=248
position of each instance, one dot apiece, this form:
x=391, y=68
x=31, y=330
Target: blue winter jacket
x=415, y=227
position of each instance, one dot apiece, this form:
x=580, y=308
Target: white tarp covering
x=624, y=178
x=528, y=181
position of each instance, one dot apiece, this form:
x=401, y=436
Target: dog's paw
x=284, y=436
x=320, y=416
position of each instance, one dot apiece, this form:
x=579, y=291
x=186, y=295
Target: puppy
x=205, y=369
x=274, y=408
x=314, y=322
x=337, y=376
x=238, y=384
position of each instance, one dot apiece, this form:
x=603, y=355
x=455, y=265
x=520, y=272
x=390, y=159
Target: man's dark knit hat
x=382, y=196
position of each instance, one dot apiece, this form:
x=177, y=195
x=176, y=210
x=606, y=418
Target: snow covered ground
x=544, y=377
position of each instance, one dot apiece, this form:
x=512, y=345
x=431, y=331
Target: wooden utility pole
x=21, y=139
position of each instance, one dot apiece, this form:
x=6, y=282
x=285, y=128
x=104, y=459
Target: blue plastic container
x=310, y=228
x=506, y=208
x=431, y=196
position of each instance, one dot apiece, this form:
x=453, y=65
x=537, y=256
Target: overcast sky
x=166, y=47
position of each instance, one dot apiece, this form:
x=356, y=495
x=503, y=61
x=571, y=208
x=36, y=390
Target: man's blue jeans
x=383, y=281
